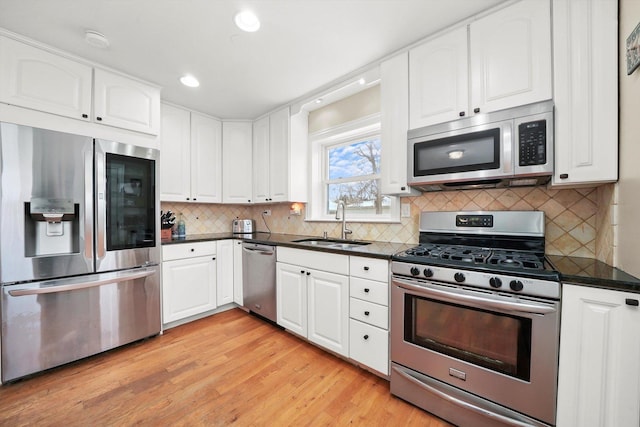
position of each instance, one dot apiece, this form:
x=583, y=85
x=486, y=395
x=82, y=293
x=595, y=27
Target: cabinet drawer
x=369, y=290
x=369, y=268
x=369, y=312
x=188, y=250
x=369, y=345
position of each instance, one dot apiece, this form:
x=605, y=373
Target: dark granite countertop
x=591, y=272
x=373, y=249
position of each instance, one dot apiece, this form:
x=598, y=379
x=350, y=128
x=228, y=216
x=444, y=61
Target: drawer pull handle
x=366, y=268
x=366, y=290
x=366, y=337
x=366, y=313
x=632, y=302
x=192, y=250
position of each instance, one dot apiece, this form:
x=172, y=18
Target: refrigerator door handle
x=75, y=286
x=88, y=205
x=101, y=204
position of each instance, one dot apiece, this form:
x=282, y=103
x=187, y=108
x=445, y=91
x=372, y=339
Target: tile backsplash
x=578, y=221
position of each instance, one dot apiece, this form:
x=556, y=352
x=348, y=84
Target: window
x=346, y=167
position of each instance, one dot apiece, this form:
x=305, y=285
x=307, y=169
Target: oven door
x=500, y=347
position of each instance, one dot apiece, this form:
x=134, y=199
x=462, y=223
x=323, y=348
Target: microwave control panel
x=532, y=137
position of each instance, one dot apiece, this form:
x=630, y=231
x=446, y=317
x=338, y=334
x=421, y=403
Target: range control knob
x=516, y=285
x=428, y=272
x=414, y=271
x=459, y=277
x=495, y=282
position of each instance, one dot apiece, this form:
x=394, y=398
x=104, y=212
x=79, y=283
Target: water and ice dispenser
x=52, y=226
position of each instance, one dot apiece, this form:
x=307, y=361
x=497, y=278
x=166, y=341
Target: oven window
x=461, y=153
x=492, y=340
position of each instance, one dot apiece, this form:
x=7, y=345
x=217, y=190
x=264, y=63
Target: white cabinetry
x=369, y=312
x=191, y=157
x=312, y=296
x=188, y=280
x=236, y=162
x=394, y=100
x=34, y=78
x=272, y=158
x=599, y=373
x=40, y=80
x=509, y=57
x=237, y=272
x=585, y=91
x=225, y=272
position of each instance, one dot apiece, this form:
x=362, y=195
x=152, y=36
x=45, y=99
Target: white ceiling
x=302, y=44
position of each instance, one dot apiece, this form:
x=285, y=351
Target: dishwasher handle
x=261, y=250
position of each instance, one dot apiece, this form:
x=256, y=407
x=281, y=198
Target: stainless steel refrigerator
x=79, y=247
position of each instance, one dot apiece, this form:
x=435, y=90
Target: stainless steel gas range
x=475, y=320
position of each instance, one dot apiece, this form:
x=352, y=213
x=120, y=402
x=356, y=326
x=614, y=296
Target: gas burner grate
x=516, y=259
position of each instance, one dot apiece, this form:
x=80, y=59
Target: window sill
x=357, y=220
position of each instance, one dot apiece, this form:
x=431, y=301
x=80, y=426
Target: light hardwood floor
x=230, y=368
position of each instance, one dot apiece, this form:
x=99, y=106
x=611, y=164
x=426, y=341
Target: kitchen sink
x=332, y=243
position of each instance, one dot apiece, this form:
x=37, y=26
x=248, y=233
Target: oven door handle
x=461, y=403
x=456, y=297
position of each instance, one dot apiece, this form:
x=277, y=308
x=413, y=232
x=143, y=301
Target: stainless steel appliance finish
x=243, y=226
x=475, y=320
x=73, y=210
x=259, y=279
x=511, y=147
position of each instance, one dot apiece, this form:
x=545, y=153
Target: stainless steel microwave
x=512, y=147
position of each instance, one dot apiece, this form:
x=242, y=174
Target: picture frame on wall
x=633, y=50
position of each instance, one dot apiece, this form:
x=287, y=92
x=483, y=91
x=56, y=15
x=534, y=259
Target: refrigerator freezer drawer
x=50, y=323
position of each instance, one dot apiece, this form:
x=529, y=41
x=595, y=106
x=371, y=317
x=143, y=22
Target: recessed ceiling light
x=247, y=21
x=189, y=80
x=319, y=101
x=362, y=81
x=96, y=39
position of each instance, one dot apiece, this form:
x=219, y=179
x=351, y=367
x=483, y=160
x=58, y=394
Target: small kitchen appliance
x=243, y=226
x=475, y=320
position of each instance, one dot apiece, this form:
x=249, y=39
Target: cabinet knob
x=631, y=301
x=564, y=175
x=188, y=198
x=403, y=188
x=99, y=119
x=249, y=200
x=476, y=110
x=461, y=113
x=308, y=273
x=214, y=258
x=301, y=271
x=366, y=337
x=366, y=290
x=192, y=250
x=194, y=199
x=366, y=313
x=84, y=116
x=366, y=268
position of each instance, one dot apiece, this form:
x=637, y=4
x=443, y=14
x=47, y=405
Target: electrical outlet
x=266, y=212
x=405, y=210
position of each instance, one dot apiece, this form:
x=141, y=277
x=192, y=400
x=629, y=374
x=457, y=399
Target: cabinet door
x=291, y=292
x=225, y=270
x=279, y=163
x=175, y=155
x=599, y=373
x=438, y=80
x=328, y=305
x=586, y=102
x=206, y=159
x=237, y=184
x=237, y=272
x=261, y=160
x=34, y=78
x=126, y=103
x=511, y=56
x=188, y=287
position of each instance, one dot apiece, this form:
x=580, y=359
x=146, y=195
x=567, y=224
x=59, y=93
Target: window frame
x=344, y=134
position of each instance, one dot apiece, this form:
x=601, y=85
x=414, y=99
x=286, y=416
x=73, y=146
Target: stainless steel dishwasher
x=259, y=279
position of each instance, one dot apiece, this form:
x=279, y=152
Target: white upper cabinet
x=394, y=106
x=191, y=156
x=585, y=91
x=503, y=61
x=271, y=158
x=439, y=79
x=236, y=162
x=510, y=56
x=40, y=80
x=36, y=79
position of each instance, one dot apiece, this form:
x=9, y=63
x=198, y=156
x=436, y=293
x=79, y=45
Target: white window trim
x=360, y=129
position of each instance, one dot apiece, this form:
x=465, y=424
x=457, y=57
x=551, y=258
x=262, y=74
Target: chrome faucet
x=345, y=230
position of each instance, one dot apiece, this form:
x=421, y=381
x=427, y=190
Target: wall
x=361, y=104
x=627, y=247
x=577, y=221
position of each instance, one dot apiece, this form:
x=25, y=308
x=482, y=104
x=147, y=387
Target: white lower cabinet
x=225, y=271
x=599, y=372
x=188, y=280
x=313, y=297
x=369, y=313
